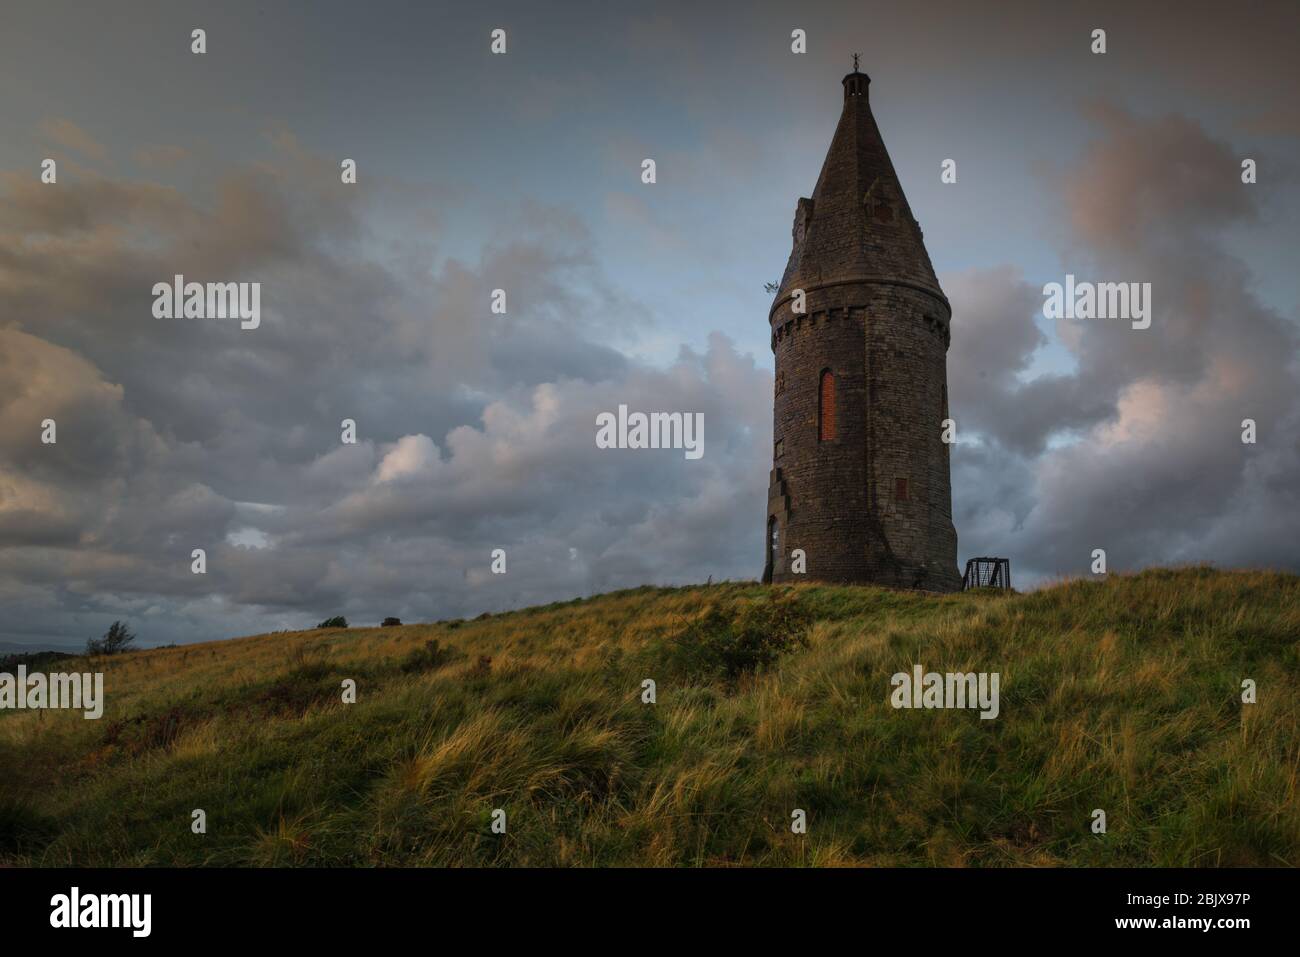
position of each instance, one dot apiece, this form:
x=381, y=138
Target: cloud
x=162, y=156
x=475, y=431
x=1150, y=465
x=67, y=134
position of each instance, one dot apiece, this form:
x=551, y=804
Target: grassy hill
x=1123, y=695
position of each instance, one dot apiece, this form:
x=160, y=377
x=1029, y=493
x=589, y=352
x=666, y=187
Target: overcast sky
x=522, y=171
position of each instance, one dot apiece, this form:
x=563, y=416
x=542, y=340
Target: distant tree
x=390, y=622
x=337, y=621
x=114, y=642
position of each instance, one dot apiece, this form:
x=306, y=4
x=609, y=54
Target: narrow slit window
x=900, y=490
x=826, y=408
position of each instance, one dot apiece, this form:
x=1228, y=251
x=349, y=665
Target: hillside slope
x=1123, y=695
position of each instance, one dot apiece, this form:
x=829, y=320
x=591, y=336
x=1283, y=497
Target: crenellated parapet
x=786, y=323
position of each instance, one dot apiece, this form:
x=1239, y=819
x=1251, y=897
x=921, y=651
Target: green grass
x=1123, y=695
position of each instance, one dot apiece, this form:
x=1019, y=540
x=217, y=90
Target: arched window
x=826, y=408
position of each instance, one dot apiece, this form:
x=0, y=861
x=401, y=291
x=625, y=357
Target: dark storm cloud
x=476, y=431
x=338, y=324
x=994, y=338
x=1159, y=472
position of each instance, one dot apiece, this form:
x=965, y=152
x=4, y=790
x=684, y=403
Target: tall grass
x=1123, y=695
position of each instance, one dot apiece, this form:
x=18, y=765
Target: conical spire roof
x=858, y=224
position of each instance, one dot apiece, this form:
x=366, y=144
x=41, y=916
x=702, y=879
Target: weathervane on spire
x=855, y=63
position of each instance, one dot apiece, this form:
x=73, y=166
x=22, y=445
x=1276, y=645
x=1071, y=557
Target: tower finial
x=855, y=63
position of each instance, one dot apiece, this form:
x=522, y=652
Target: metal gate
x=987, y=573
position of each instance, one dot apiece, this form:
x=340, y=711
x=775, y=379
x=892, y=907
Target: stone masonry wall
x=886, y=345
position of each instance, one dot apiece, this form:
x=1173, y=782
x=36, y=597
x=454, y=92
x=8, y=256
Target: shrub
x=338, y=621
x=161, y=730
x=431, y=656
x=308, y=662
x=35, y=661
x=296, y=692
x=114, y=642
x=723, y=646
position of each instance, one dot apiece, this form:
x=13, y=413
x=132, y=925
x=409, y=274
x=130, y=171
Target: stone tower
x=860, y=479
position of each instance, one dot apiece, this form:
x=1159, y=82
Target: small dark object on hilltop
x=338, y=621
x=987, y=573
x=391, y=622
